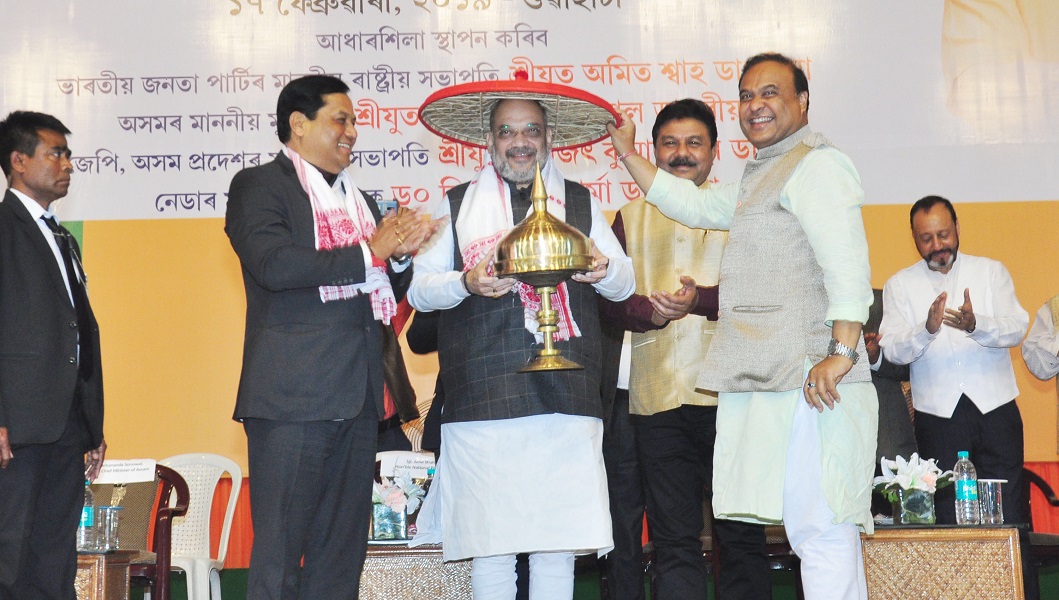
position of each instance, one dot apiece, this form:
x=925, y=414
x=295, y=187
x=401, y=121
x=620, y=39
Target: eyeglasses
x=530, y=132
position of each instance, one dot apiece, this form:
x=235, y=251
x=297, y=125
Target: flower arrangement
x=400, y=493
x=912, y=474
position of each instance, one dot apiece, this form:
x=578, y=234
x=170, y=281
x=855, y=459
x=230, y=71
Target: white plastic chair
x=191, y=533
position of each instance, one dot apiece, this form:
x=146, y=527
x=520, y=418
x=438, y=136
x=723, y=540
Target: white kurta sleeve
x=825, y=194
x=904, y=335
x=684, y=202
x=436, y=285
x=1006, y=325
x=619, y=282
x=1041, y=348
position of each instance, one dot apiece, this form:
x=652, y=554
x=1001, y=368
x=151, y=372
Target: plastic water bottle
x=966, y=479
x=86, y=529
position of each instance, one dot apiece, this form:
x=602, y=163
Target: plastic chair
x=191, y=533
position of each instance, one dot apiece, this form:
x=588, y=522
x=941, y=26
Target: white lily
x=912, y=474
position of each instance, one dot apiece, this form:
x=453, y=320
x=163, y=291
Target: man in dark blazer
x=311, y=391
x=896, y=436
x=51, y=383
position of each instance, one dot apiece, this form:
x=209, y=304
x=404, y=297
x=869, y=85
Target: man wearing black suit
x=51, y=383
x=321, y=268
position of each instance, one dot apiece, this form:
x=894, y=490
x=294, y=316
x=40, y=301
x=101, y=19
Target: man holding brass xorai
x=521, y=467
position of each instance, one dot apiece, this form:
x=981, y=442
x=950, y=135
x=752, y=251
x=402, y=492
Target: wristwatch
x=837, y=347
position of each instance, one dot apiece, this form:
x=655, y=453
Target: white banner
x=167, y=100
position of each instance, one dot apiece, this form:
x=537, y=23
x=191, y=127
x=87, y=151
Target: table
x=943, y=562
x=397, y=571
x=103, y=576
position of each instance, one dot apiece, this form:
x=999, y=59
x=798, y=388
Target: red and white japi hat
x=461, y=112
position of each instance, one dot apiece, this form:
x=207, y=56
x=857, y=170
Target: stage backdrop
x=168, y=100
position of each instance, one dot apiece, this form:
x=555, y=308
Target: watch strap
x=837, y=347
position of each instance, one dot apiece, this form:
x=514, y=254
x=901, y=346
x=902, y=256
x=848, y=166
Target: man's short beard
x=938, y=266
x=509, y=173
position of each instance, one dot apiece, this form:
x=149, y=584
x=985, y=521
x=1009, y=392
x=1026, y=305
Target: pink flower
x=395, y=499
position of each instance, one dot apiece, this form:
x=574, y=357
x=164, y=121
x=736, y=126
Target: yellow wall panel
x=168, y=295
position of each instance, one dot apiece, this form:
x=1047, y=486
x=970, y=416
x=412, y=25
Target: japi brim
x=461, y=112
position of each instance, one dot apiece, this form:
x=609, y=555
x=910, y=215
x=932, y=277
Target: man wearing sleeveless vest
x=797, y=414
x=953, y=318
x=521, y=466
x=674, y=421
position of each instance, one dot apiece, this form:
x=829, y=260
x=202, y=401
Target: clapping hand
x=962, y=318
x=402, y=232
x=676, y=305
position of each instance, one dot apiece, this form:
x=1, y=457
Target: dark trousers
x=310, y=496
x=995, y=443
x=676, y=452
x=624, y=564
x=42, y=491
x=392, y=437
x=896, y=436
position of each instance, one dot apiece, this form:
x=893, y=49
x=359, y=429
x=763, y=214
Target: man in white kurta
x=1041, y=348
x=797, y=415
x=521, y=466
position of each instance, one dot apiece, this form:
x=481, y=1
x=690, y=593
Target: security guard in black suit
x=51, y=383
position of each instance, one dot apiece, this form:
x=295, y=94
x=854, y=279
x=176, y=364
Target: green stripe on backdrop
x=77, y=228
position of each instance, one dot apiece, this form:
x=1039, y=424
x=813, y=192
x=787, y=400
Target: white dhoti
x=531, y=484
x=779, y=460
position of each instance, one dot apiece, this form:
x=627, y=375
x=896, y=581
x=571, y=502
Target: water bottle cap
x=962, y=454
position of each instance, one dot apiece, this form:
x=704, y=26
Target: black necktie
x=72, y=262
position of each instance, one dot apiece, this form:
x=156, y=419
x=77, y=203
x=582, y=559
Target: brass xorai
x=543, y=251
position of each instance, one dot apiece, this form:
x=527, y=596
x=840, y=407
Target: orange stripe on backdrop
x=1045, y=517
x=242, y=536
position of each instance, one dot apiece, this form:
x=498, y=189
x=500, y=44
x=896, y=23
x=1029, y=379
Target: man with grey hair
x=521, y=466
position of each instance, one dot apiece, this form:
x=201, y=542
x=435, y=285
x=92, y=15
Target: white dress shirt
x=950, y=363
x=39, y=214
